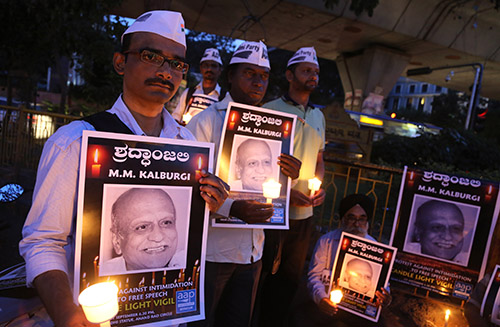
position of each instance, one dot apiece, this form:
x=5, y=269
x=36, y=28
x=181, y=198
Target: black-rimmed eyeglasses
x=153, y=58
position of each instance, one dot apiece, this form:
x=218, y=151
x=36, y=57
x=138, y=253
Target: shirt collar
x=216, y=90
x=170, y=129
x=286, y=97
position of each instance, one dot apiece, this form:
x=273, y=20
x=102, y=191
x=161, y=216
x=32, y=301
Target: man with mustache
x=210, y=68
x=234, y=254
x=302, y=74
x=152, y=64
x=144, y=232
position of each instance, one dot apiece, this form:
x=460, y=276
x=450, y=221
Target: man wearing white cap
x=189, y=104
x=234, y=254
x=152, y=64
x=302, y=74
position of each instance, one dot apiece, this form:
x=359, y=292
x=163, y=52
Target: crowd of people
x=251, y=276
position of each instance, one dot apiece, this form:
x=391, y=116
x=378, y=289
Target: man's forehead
x=256, y=68
x=141, y=40
x=307, y=65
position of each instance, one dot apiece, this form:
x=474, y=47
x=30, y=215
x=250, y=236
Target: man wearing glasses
x=152, y=64
x=355, y=211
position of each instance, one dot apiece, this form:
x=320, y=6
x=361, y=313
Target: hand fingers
x=213, y=205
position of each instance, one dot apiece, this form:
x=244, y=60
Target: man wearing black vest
x=152, y=64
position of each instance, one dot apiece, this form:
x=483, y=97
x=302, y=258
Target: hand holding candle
x=271, y=190
x=336, y=296
x=314, y=185
x=100, y=303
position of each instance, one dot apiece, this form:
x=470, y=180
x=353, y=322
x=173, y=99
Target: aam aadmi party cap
x=307, y=54
x=211, y=54
x=168, y=24
x=251, y=53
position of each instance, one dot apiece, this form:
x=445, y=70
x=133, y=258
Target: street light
x=476, y=88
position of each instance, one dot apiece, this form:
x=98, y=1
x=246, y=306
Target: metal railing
x=23, y=133
x=380, y=183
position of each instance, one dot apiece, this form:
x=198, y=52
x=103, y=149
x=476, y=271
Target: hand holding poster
x=252, y=140
x=444, y=230
x=361, y=268
x=142, y=223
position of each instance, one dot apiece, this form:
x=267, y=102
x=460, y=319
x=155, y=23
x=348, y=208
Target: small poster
x=443, y=229
x=491, y=300
x=142, y=223
x=361, y=268
x=197, y=104
x=252, y=139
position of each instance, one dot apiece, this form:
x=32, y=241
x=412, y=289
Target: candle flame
x=233, y=117
x=336, y=296
x=448, y=312
x=287, y=126
x=490, y=188
x=96, y=156
x=96, y=258
x=200, y=162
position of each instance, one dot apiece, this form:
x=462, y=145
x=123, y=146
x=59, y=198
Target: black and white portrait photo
x=144, y=228
x=359, y=275
x=253, y=162
x=441, y=229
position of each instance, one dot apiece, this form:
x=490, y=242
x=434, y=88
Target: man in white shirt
x=190, y=102
x=152, y=65
x=234, y=254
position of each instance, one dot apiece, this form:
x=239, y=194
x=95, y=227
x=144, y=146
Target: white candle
x=314, y=185
x=100, y=302
x=447, y=317
x=271, y=190
x=186, y=117
x=336, y=296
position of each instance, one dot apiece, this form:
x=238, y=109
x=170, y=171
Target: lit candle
x=232, y=121
x=314, y=185
x=100, y=303
x=336, y=296
x=198, y=171
x=186, y=117
x=194, y=268
x=287, y=127
x=96, y=167
x=447, y=317
x=271, y=190
x=96, y=267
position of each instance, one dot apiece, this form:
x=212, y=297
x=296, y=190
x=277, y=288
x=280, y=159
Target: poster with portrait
x=443, y=228
x=361, y=268
x=142, y=224
x=490, y=307
x=252, y=139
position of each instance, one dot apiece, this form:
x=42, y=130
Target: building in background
x=411, y=94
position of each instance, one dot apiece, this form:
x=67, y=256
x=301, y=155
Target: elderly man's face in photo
x=355, y=221
x=147, y=234
x=359, y=276
x=441, y=231
x=254, y=164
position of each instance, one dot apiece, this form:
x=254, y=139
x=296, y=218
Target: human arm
x=54, y=291
x=317, y=266
x=213, y=190
x=251, y=211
